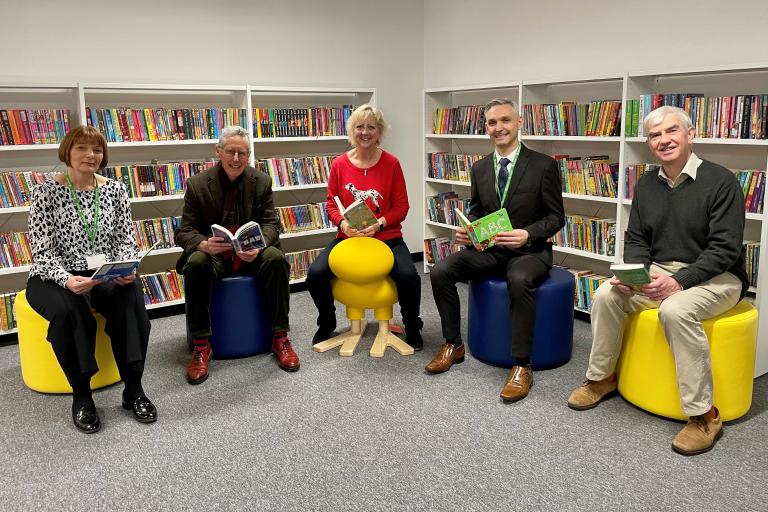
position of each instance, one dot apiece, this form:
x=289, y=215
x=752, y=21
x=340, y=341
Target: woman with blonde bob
x=368, y=173
x=77, y=220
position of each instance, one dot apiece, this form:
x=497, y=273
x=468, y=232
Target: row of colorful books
x=162, y=287
x=587, y=282
x=16, y=187
x=437, y=249
x=752, y=250
x=440, y=208
x=591, y=234
x=753, y=186
x=632, y=176
x=149, y=231
x=300, y=262
x=600, y=118
x=469, y=120
x=7, y=313
x=150, y=180
x=15, y=249
x=301, y=122
x=132, y=124
x=449, y=166
x=593, y=176
x=287, y=172
x=727, y=117
x=33, y=126
x=303, y=217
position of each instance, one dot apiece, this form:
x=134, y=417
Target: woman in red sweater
x=369, y=173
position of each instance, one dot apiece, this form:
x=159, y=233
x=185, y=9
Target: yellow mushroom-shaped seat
x=646, y=368
x=361, y=266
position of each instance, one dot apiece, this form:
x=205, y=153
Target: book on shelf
x=483, y=231
x=357, y=214
x=114, y=269
x=634, y=275
x=247, y=237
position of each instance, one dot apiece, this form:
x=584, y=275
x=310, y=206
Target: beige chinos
x=680, y=315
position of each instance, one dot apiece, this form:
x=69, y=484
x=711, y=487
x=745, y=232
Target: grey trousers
x=680, y=315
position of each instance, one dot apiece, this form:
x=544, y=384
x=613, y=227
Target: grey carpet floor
x=363, y=434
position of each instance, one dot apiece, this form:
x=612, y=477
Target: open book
x=246, y=238
x=482, y=232
x=113, y=269
x=357, y=214
x=634, y=275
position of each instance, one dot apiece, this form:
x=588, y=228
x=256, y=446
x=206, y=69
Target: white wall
x=484, y=41
x=270, y=42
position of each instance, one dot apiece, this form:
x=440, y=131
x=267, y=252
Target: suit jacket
x=534, y=200
x=203, y=206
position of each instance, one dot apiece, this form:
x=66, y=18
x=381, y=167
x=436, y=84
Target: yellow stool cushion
x=356, y=297
x=39, y=367
x=361, y=260
x=646, y=368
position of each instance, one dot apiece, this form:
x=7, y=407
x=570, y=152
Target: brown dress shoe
x=699, y=435
x=197, y=369
x=518, y=384
x=447, y=356
x=286, y=357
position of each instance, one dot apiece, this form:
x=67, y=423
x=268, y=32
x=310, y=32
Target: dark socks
x=522, y=361
x=81, y=394
x=132, y=379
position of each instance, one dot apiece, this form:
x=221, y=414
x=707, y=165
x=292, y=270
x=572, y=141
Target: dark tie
x=503, y=175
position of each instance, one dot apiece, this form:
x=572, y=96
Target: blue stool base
x=240, y=326
x=490, y=330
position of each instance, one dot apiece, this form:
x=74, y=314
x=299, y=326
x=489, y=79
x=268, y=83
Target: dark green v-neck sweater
x=699, y=222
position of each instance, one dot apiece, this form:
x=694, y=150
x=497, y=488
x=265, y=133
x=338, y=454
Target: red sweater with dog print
x=382, y=186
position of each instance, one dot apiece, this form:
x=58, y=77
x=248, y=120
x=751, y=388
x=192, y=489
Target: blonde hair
x=362, y=114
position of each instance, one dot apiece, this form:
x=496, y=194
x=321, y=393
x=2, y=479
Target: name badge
x=96, y=260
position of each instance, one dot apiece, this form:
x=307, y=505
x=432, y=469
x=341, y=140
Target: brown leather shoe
x=447, y=356
x=518, y=384
x=197, y=369
x=286, y=357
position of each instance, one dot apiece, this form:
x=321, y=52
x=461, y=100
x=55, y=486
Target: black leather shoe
x=414, y=339
x=143, y=410
x=322, y=334
x=87, y=419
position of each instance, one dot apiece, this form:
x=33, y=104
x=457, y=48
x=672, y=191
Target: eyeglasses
x=232, y=152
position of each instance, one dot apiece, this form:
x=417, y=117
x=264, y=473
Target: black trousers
x=72, y=329
x=523, y=273
x=201, y=270
x=403, y=273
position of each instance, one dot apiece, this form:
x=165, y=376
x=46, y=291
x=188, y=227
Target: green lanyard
x=512, y=162
x=91, y=229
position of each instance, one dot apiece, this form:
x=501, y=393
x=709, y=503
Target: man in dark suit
x=527, y=184
x=230, y=194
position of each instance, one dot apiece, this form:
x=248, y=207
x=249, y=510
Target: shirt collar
x=499, y=156
x=690, y=169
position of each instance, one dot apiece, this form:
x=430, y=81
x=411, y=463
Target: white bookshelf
x=76, y=97
x=742, y=154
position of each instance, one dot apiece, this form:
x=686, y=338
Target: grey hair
x=658, y=115
x=233, y=131
x=500, y=101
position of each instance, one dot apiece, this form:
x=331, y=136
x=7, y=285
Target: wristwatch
x=381, y=226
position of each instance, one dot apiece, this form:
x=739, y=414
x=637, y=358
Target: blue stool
x=490, y=330
x=240, y=325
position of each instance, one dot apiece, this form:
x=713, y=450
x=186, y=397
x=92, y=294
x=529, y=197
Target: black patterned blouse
x=58, y=238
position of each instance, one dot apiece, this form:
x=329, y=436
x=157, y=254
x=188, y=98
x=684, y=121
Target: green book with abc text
x=482, y=232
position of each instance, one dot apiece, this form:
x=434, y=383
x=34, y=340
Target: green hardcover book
x=357, y=214
x=634, y=275
x=482, y=232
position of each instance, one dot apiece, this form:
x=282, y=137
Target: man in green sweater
x=686, y=226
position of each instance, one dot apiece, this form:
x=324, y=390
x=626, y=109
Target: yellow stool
x=646, y=368
x=361, y=266
x=39, y=367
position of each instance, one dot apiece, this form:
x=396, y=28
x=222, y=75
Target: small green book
x=482, y=232
x=634, y=275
